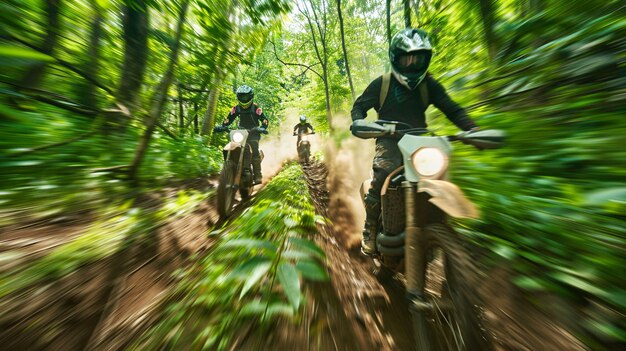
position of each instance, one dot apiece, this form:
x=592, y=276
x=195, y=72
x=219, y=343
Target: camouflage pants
x=388, y=157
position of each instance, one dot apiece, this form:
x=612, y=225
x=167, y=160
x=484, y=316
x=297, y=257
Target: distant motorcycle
x=303, y=146
x=415, y=239
x=236, y=174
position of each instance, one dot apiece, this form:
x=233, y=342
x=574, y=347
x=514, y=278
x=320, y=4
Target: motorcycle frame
x=237, y=149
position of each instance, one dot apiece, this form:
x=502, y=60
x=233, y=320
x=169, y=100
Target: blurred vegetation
x=553, y=201
x=252, y=274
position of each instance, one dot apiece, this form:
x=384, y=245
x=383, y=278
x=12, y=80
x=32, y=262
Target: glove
x=261, y=130
x=219, y=129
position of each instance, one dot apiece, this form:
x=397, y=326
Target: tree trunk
x=388, y=14
x=345, y=52
x=136, y=27
x=87, y=90
x=195, y=117
x=322, y=55
x=407, y=13
x=487, y=15
x=33, y=77
x=209, y=116
x=181, y=117
x=417, y=13
x=159, y=97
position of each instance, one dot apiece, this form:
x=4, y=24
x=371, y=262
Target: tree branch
x=294, y=64
x=60, y=62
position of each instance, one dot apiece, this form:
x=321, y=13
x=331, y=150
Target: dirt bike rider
x=409, y=90
x=302, y=128
x=250, y=116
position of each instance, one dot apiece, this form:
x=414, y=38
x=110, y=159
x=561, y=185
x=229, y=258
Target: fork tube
x=412, y=254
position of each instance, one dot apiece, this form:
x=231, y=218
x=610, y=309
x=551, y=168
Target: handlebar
x=482, y=139
x=219, y=129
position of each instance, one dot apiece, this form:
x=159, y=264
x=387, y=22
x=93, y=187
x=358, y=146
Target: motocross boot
x=256, y=167
x=370, y=230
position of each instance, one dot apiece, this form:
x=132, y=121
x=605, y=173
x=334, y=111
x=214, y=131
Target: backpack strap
x=384, y=89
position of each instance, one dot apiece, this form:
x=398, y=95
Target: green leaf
x=257, y=273
x=23, y=53
x=251, y=244
x=603, y=196
x=529, y=283
x=308, y=246
x=289, y=280
x=312, y=270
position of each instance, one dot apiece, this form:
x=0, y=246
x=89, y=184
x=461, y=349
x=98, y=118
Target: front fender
x=448, y=197
x=231, y=146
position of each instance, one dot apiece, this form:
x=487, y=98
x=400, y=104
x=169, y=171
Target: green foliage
x=254, y=271
x=553, y=200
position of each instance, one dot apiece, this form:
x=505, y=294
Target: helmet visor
x=244, y=97
x=413, y=62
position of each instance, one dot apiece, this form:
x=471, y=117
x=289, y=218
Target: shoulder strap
x=423, y=87
x=384, y=89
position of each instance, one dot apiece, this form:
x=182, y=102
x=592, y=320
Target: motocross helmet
x=302, y=119
x=244, y=96
x=409, y=53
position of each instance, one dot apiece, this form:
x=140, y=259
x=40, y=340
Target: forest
x=110, y=236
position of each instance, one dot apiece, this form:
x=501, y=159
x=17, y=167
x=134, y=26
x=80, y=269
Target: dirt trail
x=103, y=304
x=352, y=311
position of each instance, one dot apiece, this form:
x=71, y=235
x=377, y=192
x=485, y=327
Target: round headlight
x=237, y=137
x=428, y=161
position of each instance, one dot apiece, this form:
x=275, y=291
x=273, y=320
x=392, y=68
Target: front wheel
x=446, y=317
x=226, y=189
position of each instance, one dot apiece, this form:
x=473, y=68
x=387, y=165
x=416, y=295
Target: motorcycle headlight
x=429, y=161
x=237, y=137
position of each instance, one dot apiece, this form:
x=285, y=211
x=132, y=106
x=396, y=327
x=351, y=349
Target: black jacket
x=406, y=105
x=303, y=128
x=248, y=118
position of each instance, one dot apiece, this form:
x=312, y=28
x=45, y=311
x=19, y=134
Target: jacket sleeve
x=231, y=117
x=367, y=100
x=453, y=111
x=310, y=126
x=261, y=117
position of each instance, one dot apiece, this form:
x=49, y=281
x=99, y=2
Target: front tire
x=226, y=190
x=447, y=317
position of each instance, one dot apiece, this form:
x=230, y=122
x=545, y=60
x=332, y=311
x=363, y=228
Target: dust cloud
x=280, y=145
x=349, y=164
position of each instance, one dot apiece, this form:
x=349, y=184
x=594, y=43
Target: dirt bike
x=304, y=146
x=237, y=173
x=415, y=239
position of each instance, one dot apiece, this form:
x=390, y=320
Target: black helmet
x=409, y=53
x=302, y=119
x=245, y=95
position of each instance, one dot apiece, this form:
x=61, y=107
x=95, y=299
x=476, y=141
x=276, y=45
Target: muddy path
x=109, y=303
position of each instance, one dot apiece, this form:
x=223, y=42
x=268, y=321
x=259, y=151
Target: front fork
x=413, y=255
